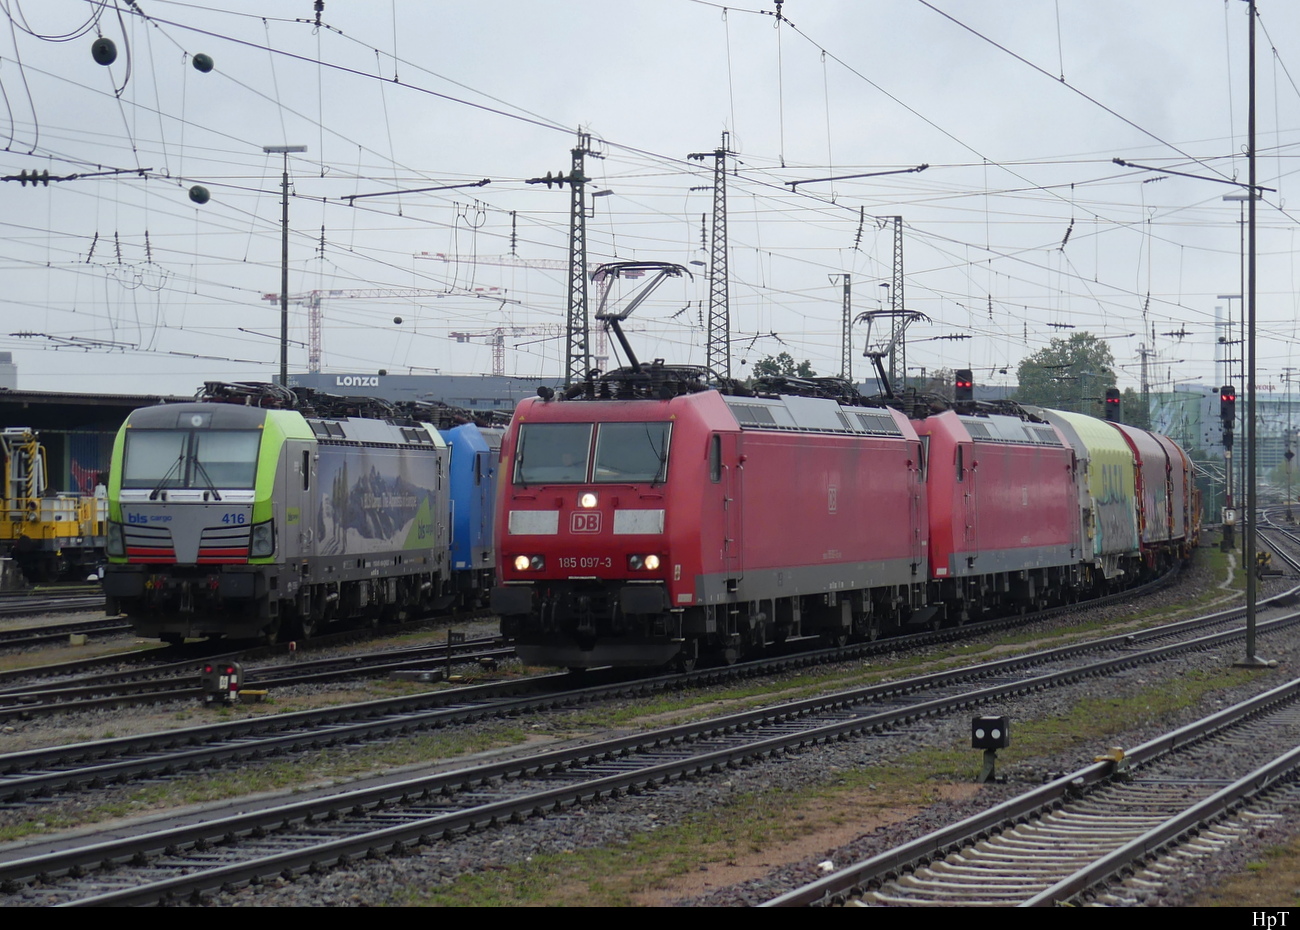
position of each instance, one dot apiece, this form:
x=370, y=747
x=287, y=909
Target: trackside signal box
x=221, y=682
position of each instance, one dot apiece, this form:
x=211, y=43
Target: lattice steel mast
x=717, y=355
x=898, y=346
x=846, y=329
x=577, y=358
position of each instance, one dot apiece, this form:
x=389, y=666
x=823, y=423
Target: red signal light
x=963, y=384
x=1228, y=405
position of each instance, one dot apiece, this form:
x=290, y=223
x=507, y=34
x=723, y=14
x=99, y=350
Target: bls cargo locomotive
x=261, y=511
x=649, y=518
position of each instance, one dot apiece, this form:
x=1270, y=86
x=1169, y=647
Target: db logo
x=584, y=522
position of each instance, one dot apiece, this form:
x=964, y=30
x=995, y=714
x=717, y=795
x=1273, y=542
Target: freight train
x=648, y=518
x=260, y=512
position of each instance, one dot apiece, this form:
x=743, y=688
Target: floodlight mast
x=284, y=150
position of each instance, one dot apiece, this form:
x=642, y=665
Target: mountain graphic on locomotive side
x=261, y=511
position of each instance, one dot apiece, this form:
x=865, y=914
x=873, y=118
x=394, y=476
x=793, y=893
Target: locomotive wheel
x=690, y=654
x=306, y=626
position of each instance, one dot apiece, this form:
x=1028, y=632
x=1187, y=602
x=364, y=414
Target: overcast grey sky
x=390, y=95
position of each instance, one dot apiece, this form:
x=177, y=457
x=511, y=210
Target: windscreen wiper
x=162, y=482
x=212, y=485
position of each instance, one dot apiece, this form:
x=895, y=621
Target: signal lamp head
x=1228, y=405
x=1112, y=404
x=963, y=384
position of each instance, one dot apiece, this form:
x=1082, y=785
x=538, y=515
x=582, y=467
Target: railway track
x=112, y=761
x=285, y=838
x=52, y=633
x=79, y=686
x=1128, y=817
x=182, y=680
x=25, y=604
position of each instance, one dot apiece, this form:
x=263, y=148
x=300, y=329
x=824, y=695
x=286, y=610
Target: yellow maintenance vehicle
x=49, y=534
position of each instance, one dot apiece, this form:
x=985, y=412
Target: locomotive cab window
x=553, y=453
x=631, y=452
x=561, y=453
x=204, y=459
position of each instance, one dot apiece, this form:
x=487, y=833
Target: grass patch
x=53, y=655
x=755, y=827
x=648, y=863
x=1268, y=882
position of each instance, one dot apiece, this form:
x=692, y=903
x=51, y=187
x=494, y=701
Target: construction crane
x=312, y=301
x=541, y=264
x=497, y=339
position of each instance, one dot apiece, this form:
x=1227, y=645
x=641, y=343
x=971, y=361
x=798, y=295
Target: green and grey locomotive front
x=236, y=521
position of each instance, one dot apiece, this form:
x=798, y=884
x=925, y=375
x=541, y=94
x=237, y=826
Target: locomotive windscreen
x=631, y=452
x=203, y=459
x=561, y=453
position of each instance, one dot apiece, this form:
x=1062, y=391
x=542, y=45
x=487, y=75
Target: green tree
x=940, y=382
x=1070, y=374
x=783, y=364
x=1133, y=411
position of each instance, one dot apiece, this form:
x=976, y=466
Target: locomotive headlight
x=651, y=562
x=638, y=563
x=529, y=563
x=262, y=544
x=587, y=501
x=634, y=562
x=114, y=543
